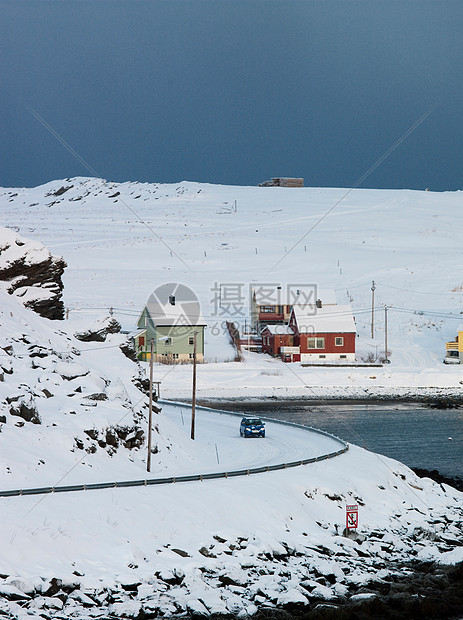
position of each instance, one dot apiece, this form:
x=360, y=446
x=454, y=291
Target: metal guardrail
x=194, y=477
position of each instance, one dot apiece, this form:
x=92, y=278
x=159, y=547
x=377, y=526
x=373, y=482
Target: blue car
x=252, y=427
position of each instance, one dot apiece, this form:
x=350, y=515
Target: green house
x=172, y=332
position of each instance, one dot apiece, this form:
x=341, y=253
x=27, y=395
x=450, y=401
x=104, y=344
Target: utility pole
x=193, y=400
x=385, y=333
x=150, y=417
x=373, y=288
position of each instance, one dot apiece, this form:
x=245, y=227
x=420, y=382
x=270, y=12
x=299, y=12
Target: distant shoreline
x=250, y=402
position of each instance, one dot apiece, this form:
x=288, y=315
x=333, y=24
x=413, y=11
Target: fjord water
x=416, y=435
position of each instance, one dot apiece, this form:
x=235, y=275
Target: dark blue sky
x=233, y=91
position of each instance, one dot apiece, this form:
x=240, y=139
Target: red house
x=273, y=305
x=326, y=334
x=276, y=336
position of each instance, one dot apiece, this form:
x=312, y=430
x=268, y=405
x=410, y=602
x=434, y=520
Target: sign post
x=352, y=517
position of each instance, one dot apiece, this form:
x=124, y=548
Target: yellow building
x=454, y=350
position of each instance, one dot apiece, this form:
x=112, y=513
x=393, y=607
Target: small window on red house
x=141, y=341
x=339, y=341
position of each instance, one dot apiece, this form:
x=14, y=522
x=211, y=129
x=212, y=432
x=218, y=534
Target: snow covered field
x=122, y=240
x=73, y=411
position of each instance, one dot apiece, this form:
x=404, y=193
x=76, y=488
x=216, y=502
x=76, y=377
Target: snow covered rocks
x=32, y=274
x=99, y=330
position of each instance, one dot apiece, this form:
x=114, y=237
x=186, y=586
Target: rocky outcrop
x=32, y=274
x=26, y=409
x=99, y=331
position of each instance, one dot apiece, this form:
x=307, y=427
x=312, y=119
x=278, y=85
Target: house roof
x=328, y=319
x=278, y=330
x=183, y=314
x=289, y=295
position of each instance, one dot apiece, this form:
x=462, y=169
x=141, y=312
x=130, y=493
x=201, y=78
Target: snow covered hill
x=122, y=240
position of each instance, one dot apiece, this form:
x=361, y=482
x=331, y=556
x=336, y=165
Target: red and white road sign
x=352, y=517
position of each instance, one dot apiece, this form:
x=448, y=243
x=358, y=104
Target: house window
x=339, y=341
x=343, y=357
x=175, y=356
x=322, y=356
x=141, y=341
x=191, y=340
x=315, y=343
x=191, y=355
x=168, y=342
x=267, y=309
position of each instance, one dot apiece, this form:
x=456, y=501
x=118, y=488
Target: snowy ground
x=225, y=546
x=232, y=545
x=122, y=240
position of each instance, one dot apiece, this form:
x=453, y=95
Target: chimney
x=172, y=300
x=319, y=303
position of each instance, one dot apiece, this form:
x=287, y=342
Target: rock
x=456, y=482
x=353, y=535
x=70, y=370
x=6, y=366
x=126, y=609
x=131, y=587
x=52, y=587
x=2, y=419
x=83, y=598
x=135, y=440
x=219, y=538
x=97, y=396
x=12, y=593
x=111, y=438
x=92, y=433
x=60, y=191
x=206, y=553
x=233, y=577
x=128, y=349
x=27, y=410
x=142, y=383
x=99, y=331
x=172, y=577
x=25, y=585
x=38, y=351
x=292, y=596
x=33, y=274
x=182, y=553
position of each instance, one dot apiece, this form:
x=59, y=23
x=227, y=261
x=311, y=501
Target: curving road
x=220, y=452
x=221, y=448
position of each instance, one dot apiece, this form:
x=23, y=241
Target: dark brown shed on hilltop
x=283, y=182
